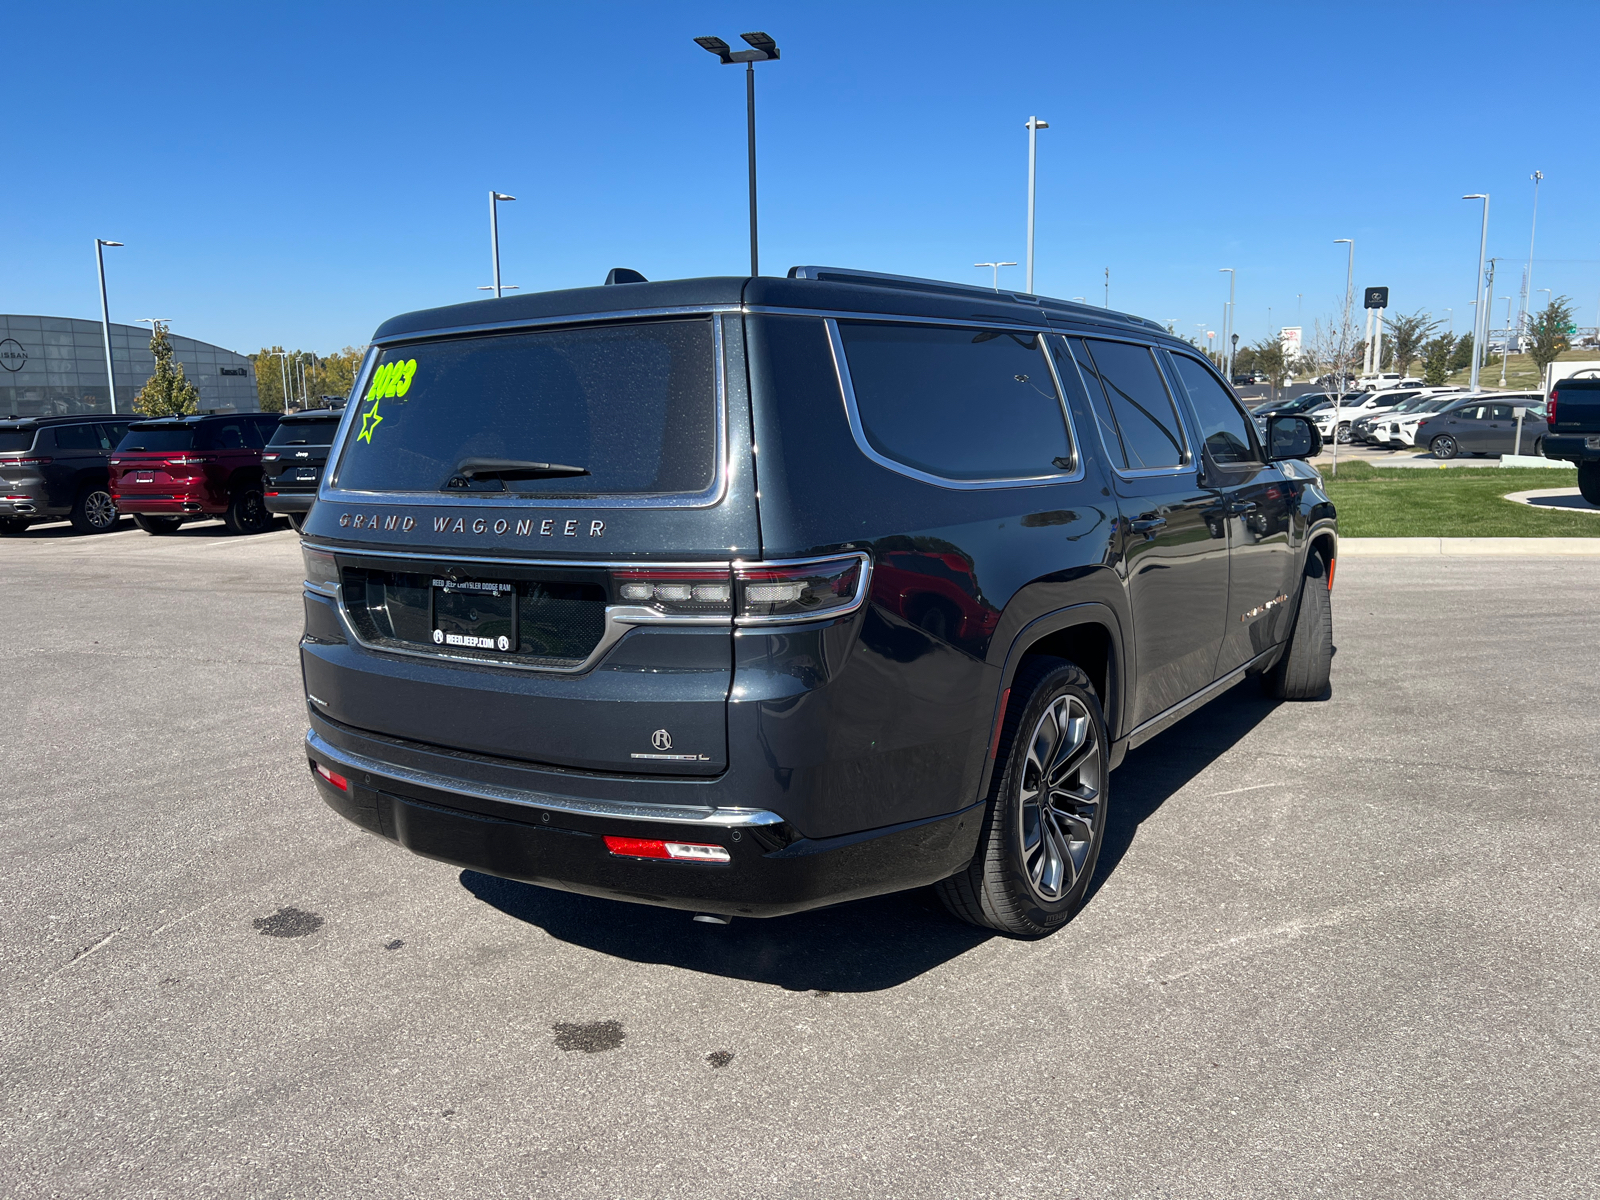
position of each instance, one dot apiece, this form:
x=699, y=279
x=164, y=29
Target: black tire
x=1030, y=891
x=297, y=521
x=157, y=526
x=94, y=511
x=1444, y=446
x=11, y=526
x=1303, y=671
x=247, y=511
x=1589, y=481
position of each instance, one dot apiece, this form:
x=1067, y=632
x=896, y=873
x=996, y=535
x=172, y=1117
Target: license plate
x=306, y=473
x=475, y=614
x=144, y=476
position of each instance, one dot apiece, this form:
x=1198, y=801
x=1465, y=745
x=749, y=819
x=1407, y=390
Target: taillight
x=28, y=462
x=333, y=777
x=322, y=571
x=752, y=594
x=627, y=847
x=769, y=593
x=1550, y=409
x=184, y=460
x=269, y=458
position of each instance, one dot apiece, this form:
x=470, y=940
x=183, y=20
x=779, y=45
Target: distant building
x=57, y=365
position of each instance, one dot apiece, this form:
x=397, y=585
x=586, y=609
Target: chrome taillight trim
x=860, y=597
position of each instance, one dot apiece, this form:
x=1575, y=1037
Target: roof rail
x=917, y=284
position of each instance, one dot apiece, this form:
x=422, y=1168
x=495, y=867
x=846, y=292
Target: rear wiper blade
x=511, y=468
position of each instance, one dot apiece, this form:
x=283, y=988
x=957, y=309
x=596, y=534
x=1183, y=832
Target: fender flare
x=1091, y=612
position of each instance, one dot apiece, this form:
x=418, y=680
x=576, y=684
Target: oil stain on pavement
x=591, y=1037
x=288, y=923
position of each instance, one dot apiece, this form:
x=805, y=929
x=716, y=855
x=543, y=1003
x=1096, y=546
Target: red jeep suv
x=171, y=468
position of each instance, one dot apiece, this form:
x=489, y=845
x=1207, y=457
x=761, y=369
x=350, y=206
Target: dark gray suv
x=745, y=596
x=56, y=467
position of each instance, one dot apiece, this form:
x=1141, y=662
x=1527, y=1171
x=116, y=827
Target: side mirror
x=1292, y=437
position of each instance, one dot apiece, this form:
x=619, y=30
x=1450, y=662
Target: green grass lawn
x=1457, y=502
x=1521, y=373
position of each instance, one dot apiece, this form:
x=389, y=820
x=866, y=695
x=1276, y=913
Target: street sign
x=1377, y=298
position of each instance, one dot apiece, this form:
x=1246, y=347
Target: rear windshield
x=633, y=406
x=160, y=439
x=304, y=433
x=12, y=440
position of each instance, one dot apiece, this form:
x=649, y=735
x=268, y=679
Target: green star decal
x=370, y=420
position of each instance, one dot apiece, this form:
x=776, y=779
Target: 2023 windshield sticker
x=390, y=379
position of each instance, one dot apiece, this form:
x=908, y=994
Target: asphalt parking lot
x=1345, y=948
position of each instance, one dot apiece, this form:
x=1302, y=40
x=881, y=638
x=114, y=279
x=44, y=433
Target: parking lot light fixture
x=1033, y=127
x=762, y=49
x=494, y=236
x=1227, y=328
x=1480, y=317
x=996, y=266
x=105, y=316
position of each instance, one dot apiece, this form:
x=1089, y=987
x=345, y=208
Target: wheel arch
x=1088, y=634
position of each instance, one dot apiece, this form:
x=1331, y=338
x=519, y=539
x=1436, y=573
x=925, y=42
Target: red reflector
x=999, y=723
x=681, y=851
x=338, y=781
x=272, y=493
x=1332, y=563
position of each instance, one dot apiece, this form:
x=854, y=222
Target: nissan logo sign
x=12, y=356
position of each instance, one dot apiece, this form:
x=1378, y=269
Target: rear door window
x=1223, y=428
x=1148, y=430
x=77, y=437
x=14, y=440
x=960, y=404
x=626, y=409
x=227, y=435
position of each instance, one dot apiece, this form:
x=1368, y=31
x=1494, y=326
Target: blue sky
x=295, y=174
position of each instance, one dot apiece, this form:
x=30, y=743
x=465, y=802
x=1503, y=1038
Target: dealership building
x=50, y=366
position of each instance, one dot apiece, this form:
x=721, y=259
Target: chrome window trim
x=853, y=415
x=1186, y=467
x=670, y=814
x=710, y=497
x=1034, y=322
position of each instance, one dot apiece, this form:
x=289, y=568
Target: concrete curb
x=1466, y=547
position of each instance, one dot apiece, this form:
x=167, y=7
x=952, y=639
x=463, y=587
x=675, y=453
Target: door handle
x=1147, y=525
x=1240, y=507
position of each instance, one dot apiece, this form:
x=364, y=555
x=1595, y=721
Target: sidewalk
x=1470, y=547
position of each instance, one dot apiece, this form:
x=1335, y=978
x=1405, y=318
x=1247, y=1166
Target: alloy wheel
x=100, y=511
x=1060, y=797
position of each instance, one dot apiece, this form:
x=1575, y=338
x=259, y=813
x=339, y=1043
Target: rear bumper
x=557, y=841
x=1573, y=448
x=181, y=504
x=286, y=501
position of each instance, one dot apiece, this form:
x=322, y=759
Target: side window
x=1500, y=412
x=1224, y=429
x=114, y=433
x=960, y=404
x=252, y=435
x=1470, y=413
x=1147, y=424
x=227, y=437
x=77, y=437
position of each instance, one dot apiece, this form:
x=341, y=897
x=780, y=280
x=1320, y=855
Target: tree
x=166, y=393
x=1436, y=358
x=1548, y=331
x=1461, y=356
x=329, y=375
x=1268, y=357
x=1406, y=336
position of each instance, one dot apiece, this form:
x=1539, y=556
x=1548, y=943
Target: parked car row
x=241, y=467
x=1449, y=421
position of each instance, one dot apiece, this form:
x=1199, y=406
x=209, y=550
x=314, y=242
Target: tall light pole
x=1227, y=328
x=1480, y=318
x=996, y=266
x=1108, y=287
x=494, y=235
x=283, y=374
x=105, y=316
x=1033, y=126
x=1533, y=227
x=762, y=49
x=1505, y=351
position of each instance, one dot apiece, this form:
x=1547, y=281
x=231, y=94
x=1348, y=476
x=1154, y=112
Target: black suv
x=55, y=467
x=749, y=595
x=291, y=465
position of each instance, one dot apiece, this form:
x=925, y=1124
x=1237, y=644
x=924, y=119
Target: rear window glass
x=960, y=404
x=13, y=440
x=632, y=406
x=162, y=439
x=305, y=433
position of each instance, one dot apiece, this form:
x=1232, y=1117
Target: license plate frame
x=476, y=615
x=305, y=474
x=144, y=476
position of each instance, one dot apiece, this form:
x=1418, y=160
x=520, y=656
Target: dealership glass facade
x=57, y=365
